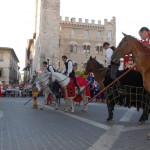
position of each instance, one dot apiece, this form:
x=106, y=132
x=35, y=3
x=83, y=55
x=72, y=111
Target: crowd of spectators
x=16, y=90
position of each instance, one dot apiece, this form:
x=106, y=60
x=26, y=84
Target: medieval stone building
x=9, y=70
x=54, y=37
x=81, y=39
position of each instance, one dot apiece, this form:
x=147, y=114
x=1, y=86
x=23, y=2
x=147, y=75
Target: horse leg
x=85, y=107
x=144, y=116
x=72, y=105
x=44, y=101
x=56, y=102
x=110, y=111
x=66, y=105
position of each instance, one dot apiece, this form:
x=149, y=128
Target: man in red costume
x=144, y=33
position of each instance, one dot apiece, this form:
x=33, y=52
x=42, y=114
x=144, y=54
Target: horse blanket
x=71, y=92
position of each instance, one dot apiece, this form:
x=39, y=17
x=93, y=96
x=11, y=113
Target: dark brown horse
x=132, y=79
x=141, y=54
x=98, y=70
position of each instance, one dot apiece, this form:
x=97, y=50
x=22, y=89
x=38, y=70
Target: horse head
x=89, y=66
x=126, y=46
x=92, y=64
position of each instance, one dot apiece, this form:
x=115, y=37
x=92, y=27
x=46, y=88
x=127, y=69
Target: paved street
x=24, y=128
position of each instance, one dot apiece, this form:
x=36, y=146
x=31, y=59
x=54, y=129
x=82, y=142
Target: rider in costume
x=50, y=68
x=144, y=33
x=69, y=70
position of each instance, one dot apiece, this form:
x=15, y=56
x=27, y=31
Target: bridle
x=143, y=55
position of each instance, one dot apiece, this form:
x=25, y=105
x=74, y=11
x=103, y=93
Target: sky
x=17, y=18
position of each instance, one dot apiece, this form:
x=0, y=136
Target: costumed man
x=144, y=33
x=49, y=68
x=34, y=92
x=69, y=70
x=34, y=96
x=113, y=67
x=109, y=52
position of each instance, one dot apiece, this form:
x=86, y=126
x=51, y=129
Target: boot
x=78, y=90
x=35, y=105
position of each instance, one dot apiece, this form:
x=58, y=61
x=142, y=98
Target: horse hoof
x=109, y=119
x=41, y=108
x=84, y=110
x=148, y=135
x=65, y=110
x=34, y=108
x=141, y=122
x=72, y=110
x=56, y=108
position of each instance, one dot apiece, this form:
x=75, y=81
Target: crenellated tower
x=47, y=24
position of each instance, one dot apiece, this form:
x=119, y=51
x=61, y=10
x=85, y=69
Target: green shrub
x=79, y=72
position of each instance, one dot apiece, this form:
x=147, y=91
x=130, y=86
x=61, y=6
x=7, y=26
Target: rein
x=60, y=80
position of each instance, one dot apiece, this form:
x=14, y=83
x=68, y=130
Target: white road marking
x=139, y=127
x=127, y=116
x=106, y=141
x=1, y=114
x=94, y=123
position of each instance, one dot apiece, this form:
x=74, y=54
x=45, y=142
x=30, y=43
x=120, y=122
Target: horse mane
x=97, y=63
x=139, y=41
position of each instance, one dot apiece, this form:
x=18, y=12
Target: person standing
x=69, y=70
x=91, y=79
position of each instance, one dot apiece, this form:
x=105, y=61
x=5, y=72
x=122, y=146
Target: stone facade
x=79, y=40
x=9, y=70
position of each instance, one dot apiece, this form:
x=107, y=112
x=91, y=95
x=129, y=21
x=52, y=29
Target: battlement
x=68, y=20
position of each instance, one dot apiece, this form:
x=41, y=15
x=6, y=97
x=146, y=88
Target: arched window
x=73, y=32
x=73, y=48
x=99, y=34
x=86, y=34
x=99, y=49
x=86, y=48
x=109, y=34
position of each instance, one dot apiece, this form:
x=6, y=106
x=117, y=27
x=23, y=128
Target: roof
x=10, y=49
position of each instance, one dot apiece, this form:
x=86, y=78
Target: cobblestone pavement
x=24, y=128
